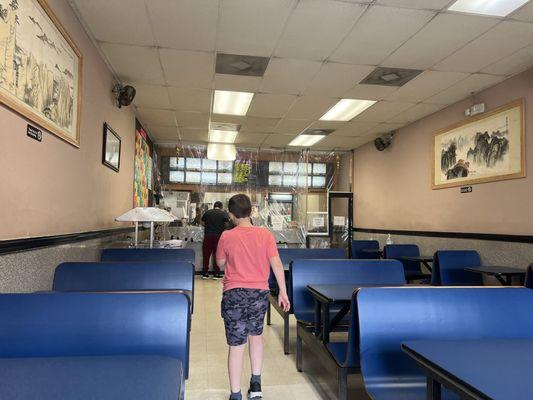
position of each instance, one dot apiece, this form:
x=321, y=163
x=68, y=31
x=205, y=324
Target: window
x=274, y=180
x=209, y=165
x=193, y=177
x=209, y=178
x=292, y=174
x=224, y=178
x=200, y=171
x=194, y=164
x=176, y=176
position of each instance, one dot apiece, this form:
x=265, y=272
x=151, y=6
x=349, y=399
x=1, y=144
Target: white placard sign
x=339, y=221
x=318, y=222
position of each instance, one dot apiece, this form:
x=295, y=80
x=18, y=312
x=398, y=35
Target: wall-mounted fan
x=124, y=95
x=384, y=141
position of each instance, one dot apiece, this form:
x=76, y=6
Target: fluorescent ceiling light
x=231, y=103
x=220, y=136
x=221, y=151
x=306, y=140
x=498, y=8
x=346, y=109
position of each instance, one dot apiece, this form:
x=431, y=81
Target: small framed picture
x=111, y=148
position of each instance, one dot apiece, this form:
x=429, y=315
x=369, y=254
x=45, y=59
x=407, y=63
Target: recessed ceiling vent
x=315, y=131
x=390, y=76
x=234, y=64
x=224, y=126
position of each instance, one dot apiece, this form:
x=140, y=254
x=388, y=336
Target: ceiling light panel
x=220, y=136
x=497, y=8
x=231, y=103
x=306, y=140
x=221, y=151
x=346, y=109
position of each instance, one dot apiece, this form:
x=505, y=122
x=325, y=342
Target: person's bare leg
x=235, y=361
x=256, y=353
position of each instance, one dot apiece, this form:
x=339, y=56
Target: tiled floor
x=208, y=375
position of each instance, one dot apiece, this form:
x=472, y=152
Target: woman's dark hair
x=218, y=204
x=240, y=206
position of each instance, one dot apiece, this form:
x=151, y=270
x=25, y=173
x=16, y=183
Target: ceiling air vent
x=234, y=64
x=316, y=131
x=390, y=76
x=224, y=126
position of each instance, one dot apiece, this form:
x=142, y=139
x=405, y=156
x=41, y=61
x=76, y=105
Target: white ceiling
x=320, y=50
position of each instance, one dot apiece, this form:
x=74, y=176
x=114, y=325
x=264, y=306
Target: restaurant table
x=498, y=369
x=82, y=378
x=422, y=259
x=372, y=251
x=503, y=274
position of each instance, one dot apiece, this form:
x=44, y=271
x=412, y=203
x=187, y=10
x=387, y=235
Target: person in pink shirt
x=247, y=252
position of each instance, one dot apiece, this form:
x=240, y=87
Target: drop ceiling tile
x=278, y=140
x=194, y=135
x=310, y=107
x=188, y=68
x=188, y=99
x=106, y=21
x=292, y=126
x=355, y=128
x=270, y=105
x=497, y=44
x=416, y=112
x=192, y=120
x=368, y=43
x=334, y=79
x=328, y=125
x=463, y=89
x=251, y=139
x=184, y=24
x=315, y=28
x=425, y=85
x=153, y=96
x=125, y=62
x=237, y=83
x=251, y=27
x=370, y=92
x=382, y=129
x=163, y=132
x=383, y=111
x=524, y=13
x=259, y=124
x=288, y=76
x=513, y=64
x=445, y=34
x=418, y=4
x=338, y=142
x=230, y=119
x=154, y=116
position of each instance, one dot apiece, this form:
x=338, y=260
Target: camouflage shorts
x=243, y=311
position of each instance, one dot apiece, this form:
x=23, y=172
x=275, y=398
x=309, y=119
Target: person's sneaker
x=205, y=275
x=217, y=276
x=255, y=391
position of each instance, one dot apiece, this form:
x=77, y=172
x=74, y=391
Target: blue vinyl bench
x=413, y=269
x=448, y=268
x=41, y=325
x=343, y=357
x=143, y=255
x=124, y=276
x=287, y=255
x=359, y=245
x=389, y=317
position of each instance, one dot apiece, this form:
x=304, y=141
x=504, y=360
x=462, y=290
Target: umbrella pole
x=136, y=232
x=151, y=234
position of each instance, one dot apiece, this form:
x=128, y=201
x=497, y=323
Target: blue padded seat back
x=397, y=251
x=331, y=272
x=448, y=268
x=110, y=276
x=141, y=255
x=391, y=316
x=358, y=245
x=95, y=324
x=529, y=277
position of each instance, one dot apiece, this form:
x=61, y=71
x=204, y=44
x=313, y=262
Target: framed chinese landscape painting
x=40, y=68
x=485, y=148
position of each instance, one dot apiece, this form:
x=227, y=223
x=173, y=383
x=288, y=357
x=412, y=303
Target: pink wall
x=52, y=187
x=393, y=188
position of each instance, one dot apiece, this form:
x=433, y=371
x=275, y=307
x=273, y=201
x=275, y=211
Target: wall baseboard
x=454, y=235
x=15, y=245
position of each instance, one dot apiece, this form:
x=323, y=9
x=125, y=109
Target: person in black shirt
x=214, y=221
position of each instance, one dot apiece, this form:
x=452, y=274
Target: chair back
x=358, y=245
x=397, y=251
x=138, y=255
x=529, y=277
x=448, y=268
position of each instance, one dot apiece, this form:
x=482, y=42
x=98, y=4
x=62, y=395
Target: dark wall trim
x=454, y=235
x=14, y=245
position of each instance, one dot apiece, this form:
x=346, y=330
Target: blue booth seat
x=390, y=316
x=95, y=324
x=412, y=269
x=358, y=245
x=287, y=254
x=448, y=268
x=137, y=255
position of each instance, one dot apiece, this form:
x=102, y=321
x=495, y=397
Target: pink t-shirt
x=247, y=251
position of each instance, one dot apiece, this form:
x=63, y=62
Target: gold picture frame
x=41, y=68
x=485, y=148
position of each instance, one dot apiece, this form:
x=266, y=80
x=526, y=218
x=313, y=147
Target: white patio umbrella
x=146, y=214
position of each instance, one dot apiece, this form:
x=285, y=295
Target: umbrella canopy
x=146, y=214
